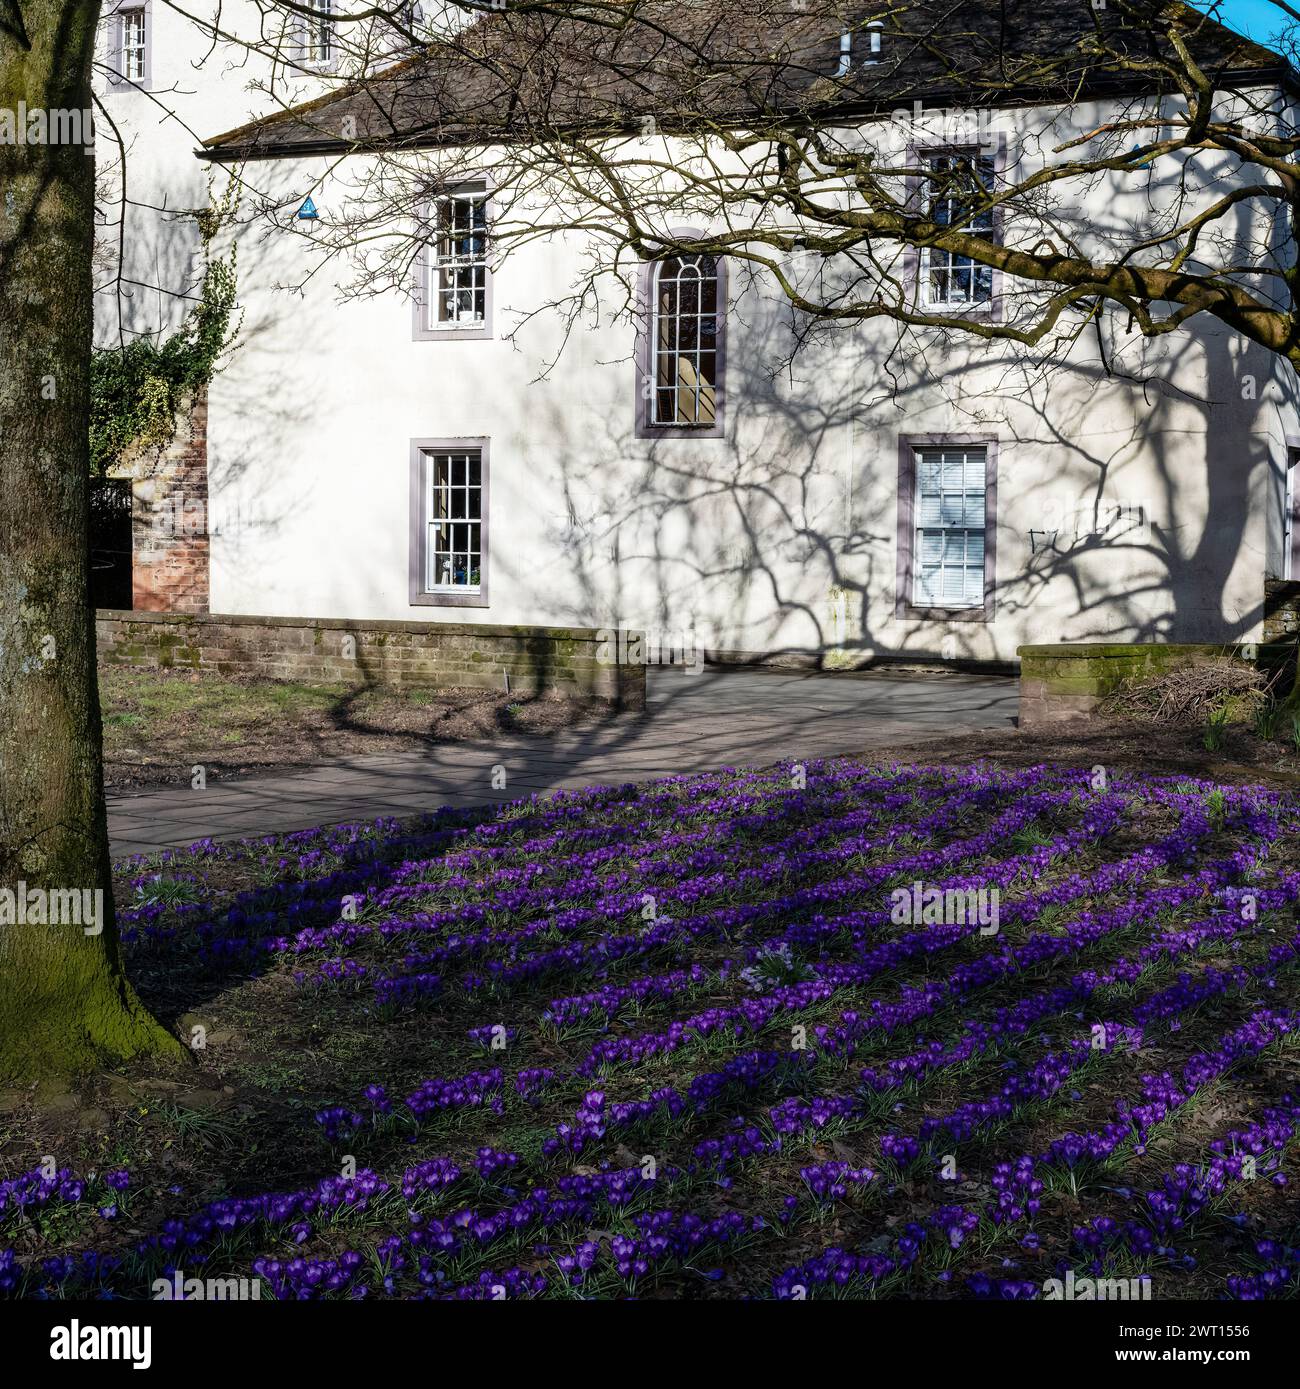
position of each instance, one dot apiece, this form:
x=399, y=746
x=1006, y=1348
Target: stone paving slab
x=715, y=719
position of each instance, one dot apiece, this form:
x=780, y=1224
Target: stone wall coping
x=1088, y=651
x=352, y=624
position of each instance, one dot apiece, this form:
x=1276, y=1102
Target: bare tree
x=65, y=1003
x=798, y=138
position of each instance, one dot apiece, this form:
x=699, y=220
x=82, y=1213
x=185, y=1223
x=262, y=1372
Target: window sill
x=449, y=600
x=481, y=332
x=984, y=306
x=680, y=431
x=915, y=613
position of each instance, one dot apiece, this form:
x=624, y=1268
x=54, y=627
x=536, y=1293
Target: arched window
x=684, y=349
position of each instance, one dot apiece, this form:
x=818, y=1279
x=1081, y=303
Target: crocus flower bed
x=688, y=1039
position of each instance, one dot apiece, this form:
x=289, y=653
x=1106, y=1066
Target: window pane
x=458, y=260
x=948, y=545
x=133, y=42
x=684, y=341
x=953, y=279
x=455, y=530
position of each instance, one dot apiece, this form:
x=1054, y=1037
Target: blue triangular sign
x=307, y=212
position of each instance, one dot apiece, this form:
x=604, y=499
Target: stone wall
x=1281, y=609
x=401, y=655
x=1068, y=681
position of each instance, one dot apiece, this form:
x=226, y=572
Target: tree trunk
x=65, y=1004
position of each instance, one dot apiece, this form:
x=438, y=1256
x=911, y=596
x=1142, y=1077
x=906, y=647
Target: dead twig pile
x=1189, y=694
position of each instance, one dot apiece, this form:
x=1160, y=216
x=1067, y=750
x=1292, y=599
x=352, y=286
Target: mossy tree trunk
x=65, y=1003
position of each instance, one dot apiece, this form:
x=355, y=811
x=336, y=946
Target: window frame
x=117, y=79
x=410, y=15
x=1290, y=567
x=426, y=263
x=910, y=446
x=420, y=596
x=301, y=38
x=646, y=319
x=916, y=258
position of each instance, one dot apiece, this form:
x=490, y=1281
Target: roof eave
x=223, y=149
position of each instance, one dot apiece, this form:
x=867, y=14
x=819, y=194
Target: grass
x=162, y=890
x=1216, y=730
x=153, y=704
x=159, y=723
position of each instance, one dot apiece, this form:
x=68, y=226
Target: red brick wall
x=169, y=521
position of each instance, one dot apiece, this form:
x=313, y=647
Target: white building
x=167, y=77
x=442, y=448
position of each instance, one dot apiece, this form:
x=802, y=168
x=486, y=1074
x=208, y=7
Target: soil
x=1119, y=745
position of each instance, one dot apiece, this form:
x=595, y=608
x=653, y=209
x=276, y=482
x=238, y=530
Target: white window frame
x=672, y=356
x=315, y=39
x=137, y=51
x=986, y=222
x=974, y=459
x=427, y=587
x=119, y=77
x=469, y=273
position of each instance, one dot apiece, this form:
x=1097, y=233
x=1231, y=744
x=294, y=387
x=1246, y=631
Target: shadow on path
x=717, y=718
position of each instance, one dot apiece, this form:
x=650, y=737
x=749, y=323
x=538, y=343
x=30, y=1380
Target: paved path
x=717, y=718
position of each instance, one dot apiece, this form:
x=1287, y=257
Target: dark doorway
x=110, y=542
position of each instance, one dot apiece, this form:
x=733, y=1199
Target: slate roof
x=508, y=77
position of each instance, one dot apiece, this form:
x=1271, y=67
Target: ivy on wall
x=137, y=390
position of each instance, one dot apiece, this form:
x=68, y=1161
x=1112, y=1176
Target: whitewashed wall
x=199, y=86
x=780, y=537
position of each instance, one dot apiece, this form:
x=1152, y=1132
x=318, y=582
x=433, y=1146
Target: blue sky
x=1257, y=18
